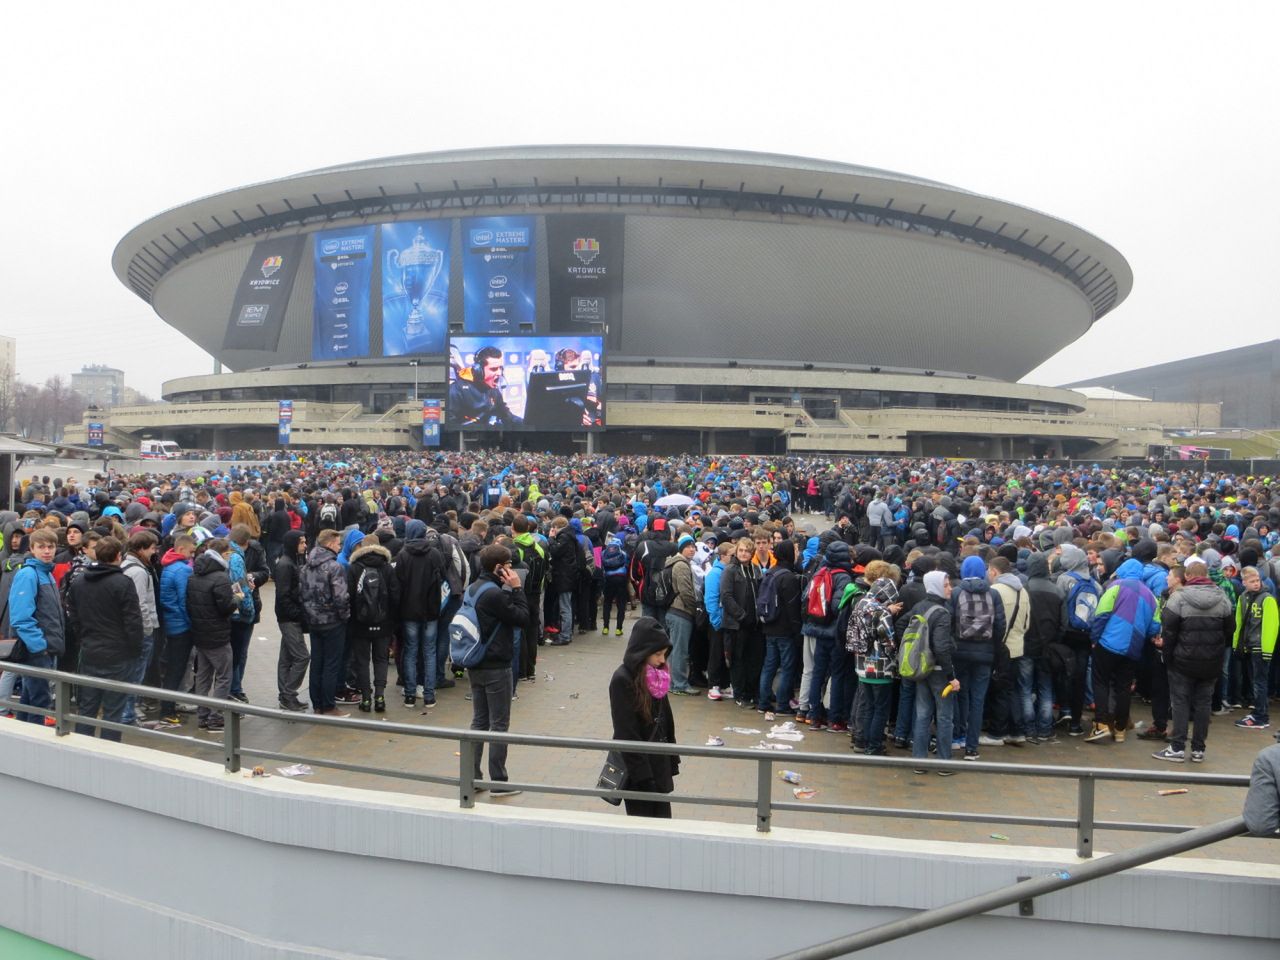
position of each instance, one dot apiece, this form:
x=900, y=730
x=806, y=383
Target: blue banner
x=431, y=423
x=285, y=421
x=415, y=286
x=499, y=277
x=344, y=263
x=96, y=434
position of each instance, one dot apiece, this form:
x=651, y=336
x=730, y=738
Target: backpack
x=767, y=608
x=613, y=558
x=818, y=596
x=915, y=655
x=467, y=648
x=1082, y=602
x=371, y=599
x=975, y=615
x=537, y=565
x=1062, y=660
x=661, y=587
x=329, y=516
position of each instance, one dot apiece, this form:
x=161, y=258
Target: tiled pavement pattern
x=570, y=698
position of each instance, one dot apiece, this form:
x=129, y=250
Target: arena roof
x=1034, y=281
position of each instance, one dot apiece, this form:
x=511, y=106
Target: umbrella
x=673, y=500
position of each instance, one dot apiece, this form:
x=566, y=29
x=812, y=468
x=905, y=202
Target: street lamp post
x=414, y=364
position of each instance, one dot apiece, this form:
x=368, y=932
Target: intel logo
x=329, y=247
x=341, y=288
x=480, y=238
x=498, y=282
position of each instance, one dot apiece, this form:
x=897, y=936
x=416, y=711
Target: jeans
x=139, y=673
x=565, y=600
x=1035, y=696
x=931, y=703
x=679, y=630
x=906, y=709
x=291, y=664
x=89, y=699
x=328, y=661
x=241, y=634
x=779, y=660
x=873, y=707
x=491, y=710
x=35, y=692
x=420, y=649
x=829, y=661
x=442, y=636
x=717, y=657
x=1189, y=699
x=1260, y=668
x=177, y=657
x=974, y=679
x=1112, y=678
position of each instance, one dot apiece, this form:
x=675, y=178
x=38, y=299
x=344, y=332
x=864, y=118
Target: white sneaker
x=985, y=741
x=715, y=694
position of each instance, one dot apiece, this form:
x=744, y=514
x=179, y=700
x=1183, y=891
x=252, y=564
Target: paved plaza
x=570, y=698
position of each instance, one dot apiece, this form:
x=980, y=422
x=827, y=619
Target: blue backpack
x=467, y=647
x=1082, y=602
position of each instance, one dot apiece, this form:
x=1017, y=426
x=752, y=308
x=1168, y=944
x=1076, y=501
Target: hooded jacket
x=1262, y=804
x=419, y=574
x=564, y=560
x=140, y=575
x=1072, y=563
x=1198, y=625
x=981, y=650
x=1045, y=625
x=1257, y=623
x=324, y=589
x=372, y=561
x=210, y=601
x=644, y=771
x=175, y=571
x=1017, y=612
x=1127, y=614
x=838, y=557
x=738, y=587
x=288, y=579
x=103, y=607
x=685, y=602
x=35, y=608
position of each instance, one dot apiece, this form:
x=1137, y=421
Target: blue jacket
x=350, y=544
x=173, y=594
x=1127, y=614
x=22, y=602
x=238, y=573
x=711, y=593
x=1156, y=578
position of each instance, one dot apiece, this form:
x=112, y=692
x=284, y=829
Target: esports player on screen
x=475, y=396
x=570, y=359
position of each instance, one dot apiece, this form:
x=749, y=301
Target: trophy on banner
x=419, y=265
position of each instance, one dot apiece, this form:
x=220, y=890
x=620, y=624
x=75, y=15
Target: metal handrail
x=233, y=749
x=1023, y=891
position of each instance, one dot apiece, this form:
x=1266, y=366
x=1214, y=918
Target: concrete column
x=711, y=442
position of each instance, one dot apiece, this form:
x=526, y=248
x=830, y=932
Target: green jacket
x=1270, y=614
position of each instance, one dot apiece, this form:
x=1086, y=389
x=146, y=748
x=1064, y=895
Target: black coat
x=506, y=610
x=564, y=561
x=1045, y=626
x=102, y=606
x=373, y=561
x=256, y=569
x=277, y=525
x=738, y=587
x=790, y=616
x=288, y=585
x=210, y=602
x=644, y=771
x=419, y=573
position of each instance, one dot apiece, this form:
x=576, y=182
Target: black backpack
x=537, y=565
x=661, y=587
x=371, y=599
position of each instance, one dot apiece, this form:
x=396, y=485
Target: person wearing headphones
x=478, y=399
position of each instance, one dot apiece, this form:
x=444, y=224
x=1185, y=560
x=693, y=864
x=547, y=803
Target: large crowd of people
x=924, y=606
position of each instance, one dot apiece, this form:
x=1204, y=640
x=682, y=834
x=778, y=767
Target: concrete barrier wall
x=119, y=852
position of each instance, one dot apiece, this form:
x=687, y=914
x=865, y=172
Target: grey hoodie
x=1262, y=803
x=140, y=576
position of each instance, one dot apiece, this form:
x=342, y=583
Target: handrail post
x=231, y=740
x=466, y=774
x=61, y=707
x=764, y=794
x=1084, y=817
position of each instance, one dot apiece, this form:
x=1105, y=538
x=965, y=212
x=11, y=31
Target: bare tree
x=8, y=396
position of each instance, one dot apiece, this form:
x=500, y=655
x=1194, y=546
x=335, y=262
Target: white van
x=160, y=450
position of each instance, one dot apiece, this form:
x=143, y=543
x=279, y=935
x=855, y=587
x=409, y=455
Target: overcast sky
x=1150, y=125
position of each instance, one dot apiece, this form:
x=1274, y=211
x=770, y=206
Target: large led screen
x=415, y=286
x=526, y=383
